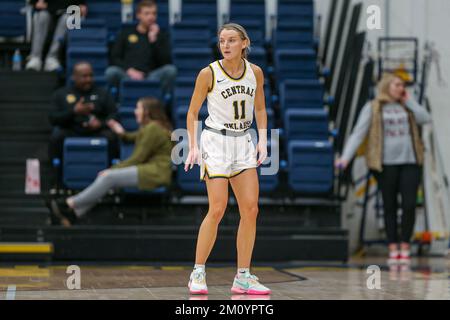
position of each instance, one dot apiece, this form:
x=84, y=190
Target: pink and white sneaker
x=197, y=283
x=404, y=257
x=393, y=257
x=248, y=283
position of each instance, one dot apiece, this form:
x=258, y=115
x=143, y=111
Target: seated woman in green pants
x=148, y=167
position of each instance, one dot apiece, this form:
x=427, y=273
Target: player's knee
x=250, y=213
x=216, y=212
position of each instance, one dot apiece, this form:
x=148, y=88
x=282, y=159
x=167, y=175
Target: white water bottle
x=33, y=177
x=17, y=61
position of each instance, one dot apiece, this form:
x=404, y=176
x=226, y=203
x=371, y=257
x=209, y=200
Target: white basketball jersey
x=231, y=100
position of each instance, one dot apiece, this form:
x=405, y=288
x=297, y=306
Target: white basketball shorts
x=224, y=156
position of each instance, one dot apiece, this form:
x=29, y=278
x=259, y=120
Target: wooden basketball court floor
x=426, y=278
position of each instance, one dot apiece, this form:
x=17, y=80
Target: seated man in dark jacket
x=81, y=111
x=142, y=52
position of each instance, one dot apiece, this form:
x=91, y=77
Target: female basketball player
x=233, y=87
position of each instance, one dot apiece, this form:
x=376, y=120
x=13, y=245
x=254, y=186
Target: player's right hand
x=192, y=158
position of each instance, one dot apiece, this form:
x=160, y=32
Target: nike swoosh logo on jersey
x=219, y=81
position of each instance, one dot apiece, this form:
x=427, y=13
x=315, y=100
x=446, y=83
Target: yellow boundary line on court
x=13, y=248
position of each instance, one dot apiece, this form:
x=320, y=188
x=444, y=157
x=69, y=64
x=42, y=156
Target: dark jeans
x=58, y=135
x=404, y=180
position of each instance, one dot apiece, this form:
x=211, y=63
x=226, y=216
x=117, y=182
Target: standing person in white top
x=388, y=127
x=234, y=89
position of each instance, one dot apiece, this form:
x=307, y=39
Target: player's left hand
x=261, y=149
x=192, y=158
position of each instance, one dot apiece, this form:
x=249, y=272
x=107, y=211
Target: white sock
x=405, y=253
x=393, y=254
x=242, y=271
x=199, y=267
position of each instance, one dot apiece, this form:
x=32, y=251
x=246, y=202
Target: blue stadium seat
x=97, y=57
x=298, y=13
x=179, y=116
x=110, y=11
x=306, y=124
x=293, y=37
x=131, y=91
x=255, y=30
x=310, y=166
x=91, y=23
x=189, y=181
x=12, y=22
x=268, y=94
x=270, y=119
x=163, y=14
x=269, y=183
x=127, y=119
x=189, y=61
x=301, y=94
x=184, y=87
x=195, y=10
x=295, y=64
x=87, y=37
x=126, y=149
x=243, y=11
x=83, y=158
x=193, y=34
x=258, y=56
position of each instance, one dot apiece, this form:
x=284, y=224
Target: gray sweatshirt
x=397, y=143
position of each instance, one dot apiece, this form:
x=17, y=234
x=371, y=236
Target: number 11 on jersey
x=236, y=109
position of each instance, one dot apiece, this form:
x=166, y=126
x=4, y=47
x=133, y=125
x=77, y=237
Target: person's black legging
x=395, y=179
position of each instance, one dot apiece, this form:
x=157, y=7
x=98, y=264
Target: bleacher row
x=294, y=91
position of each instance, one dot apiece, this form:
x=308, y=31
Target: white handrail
x=437, y=193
